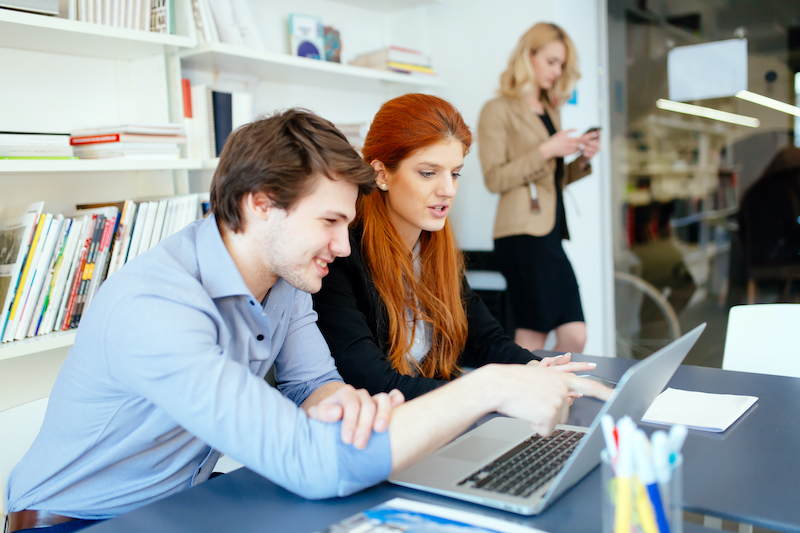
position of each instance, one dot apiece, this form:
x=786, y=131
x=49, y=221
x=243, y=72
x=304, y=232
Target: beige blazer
x=509, y=135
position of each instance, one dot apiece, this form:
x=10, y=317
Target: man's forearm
x=426, y=423
x=322, y=392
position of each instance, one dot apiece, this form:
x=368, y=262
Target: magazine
x=401, y=515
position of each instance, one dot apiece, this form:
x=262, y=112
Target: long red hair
x=401, y=127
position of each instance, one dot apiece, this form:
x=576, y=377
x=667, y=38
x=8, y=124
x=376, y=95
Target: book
x=306, y=36
x=333, y=44
x=147, y=226
x=15, y=138
x=246, y=22
x=202, y=135
x=119, y=247
x=158, y=222
x=128, y=139
x=61, y=276
x=86, y=272
x=223, y=118
x=76, y=275
x=16, y=230
x=47, y=287
x=392, y=53
x=44, y=7
x=33, y=151
x=400, y=514
x=228, y=30
x=135, y=127
x=42, y=266
x=26, y=277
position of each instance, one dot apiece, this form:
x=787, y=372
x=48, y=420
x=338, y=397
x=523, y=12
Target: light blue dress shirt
x=168, y=367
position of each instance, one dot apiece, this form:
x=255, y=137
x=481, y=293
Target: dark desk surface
x=748, y=474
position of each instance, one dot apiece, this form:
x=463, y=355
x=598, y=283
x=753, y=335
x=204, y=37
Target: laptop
x=504, y=464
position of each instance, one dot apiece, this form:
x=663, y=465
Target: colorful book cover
x=400, y=514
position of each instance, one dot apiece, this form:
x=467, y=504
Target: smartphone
x=592, y=129
x=606, y=382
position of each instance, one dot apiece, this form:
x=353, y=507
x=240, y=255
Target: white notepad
x=698, y=410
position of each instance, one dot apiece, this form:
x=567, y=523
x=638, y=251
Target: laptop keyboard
x=528, y=466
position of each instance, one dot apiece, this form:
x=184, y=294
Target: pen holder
x=638, y=501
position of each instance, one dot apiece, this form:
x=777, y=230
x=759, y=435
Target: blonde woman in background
x=522, y=150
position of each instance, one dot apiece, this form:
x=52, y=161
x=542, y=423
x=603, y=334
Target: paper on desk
x=698, y=410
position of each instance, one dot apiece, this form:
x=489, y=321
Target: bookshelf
x=387, y=6
x=29, y=31
x=43, y=343
x=284, y=68
x=68, y=74
x=98, y=165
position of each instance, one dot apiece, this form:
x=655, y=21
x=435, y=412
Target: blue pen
x=677, y=436
x=644, y=469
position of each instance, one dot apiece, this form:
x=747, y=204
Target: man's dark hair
x=280, y=155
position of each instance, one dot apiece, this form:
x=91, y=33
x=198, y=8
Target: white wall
x=470, y=41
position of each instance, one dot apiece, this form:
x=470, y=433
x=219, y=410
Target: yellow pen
x=624, y=504
x=644, y=509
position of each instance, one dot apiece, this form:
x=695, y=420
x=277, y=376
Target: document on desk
x=401, y=514
x=698, y=410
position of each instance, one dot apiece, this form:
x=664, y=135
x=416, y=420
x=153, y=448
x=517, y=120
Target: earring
x=383, y=186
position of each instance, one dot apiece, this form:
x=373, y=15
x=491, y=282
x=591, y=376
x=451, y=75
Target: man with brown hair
x=168, y=364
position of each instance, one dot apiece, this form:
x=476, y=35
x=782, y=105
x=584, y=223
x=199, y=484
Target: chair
x=763, y=339
x=18, y=428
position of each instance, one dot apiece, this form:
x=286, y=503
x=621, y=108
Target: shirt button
x=260, y=337
x=252, y=302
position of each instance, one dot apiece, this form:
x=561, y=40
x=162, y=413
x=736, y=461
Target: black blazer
x=353, y=320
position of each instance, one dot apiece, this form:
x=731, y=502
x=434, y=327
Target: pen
x=661, y=465
x=644, y=469
x=609, y=430
x=622, y=514
x=677, y=436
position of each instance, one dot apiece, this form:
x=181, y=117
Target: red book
x=76, y=282
x=186, y=88
x=126, y=137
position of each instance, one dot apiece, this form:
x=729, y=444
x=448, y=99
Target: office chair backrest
x=763, y=339
x=18, y=428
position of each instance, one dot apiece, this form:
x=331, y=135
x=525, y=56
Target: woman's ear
x=380, y=174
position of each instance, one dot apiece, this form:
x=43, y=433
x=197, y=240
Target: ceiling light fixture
x=707, y=112
x=769, y=102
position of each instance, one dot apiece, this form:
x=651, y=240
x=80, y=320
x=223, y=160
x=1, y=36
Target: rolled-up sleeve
x=304, y=363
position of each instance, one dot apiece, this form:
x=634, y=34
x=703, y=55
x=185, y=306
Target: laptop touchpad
x=474, y=449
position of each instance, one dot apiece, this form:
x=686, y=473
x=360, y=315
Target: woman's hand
x=590, y=146
x=563, y=363
x=560, y=144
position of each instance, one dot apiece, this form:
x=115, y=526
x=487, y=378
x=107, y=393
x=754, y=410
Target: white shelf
x=387, y=6
x=284, y=68
x=96, y=165
x=51, y=341
x=29, y=31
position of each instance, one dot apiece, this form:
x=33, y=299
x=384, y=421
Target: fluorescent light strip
x=707, y=112
x=769, y=102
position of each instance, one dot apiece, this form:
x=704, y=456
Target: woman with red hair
x=398, y=312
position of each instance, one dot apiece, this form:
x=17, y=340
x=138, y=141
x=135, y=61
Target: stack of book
x=129, y=141
x=17, y=145
x=397, y=59
x=51, y=266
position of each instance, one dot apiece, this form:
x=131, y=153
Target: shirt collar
x=218, y=272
